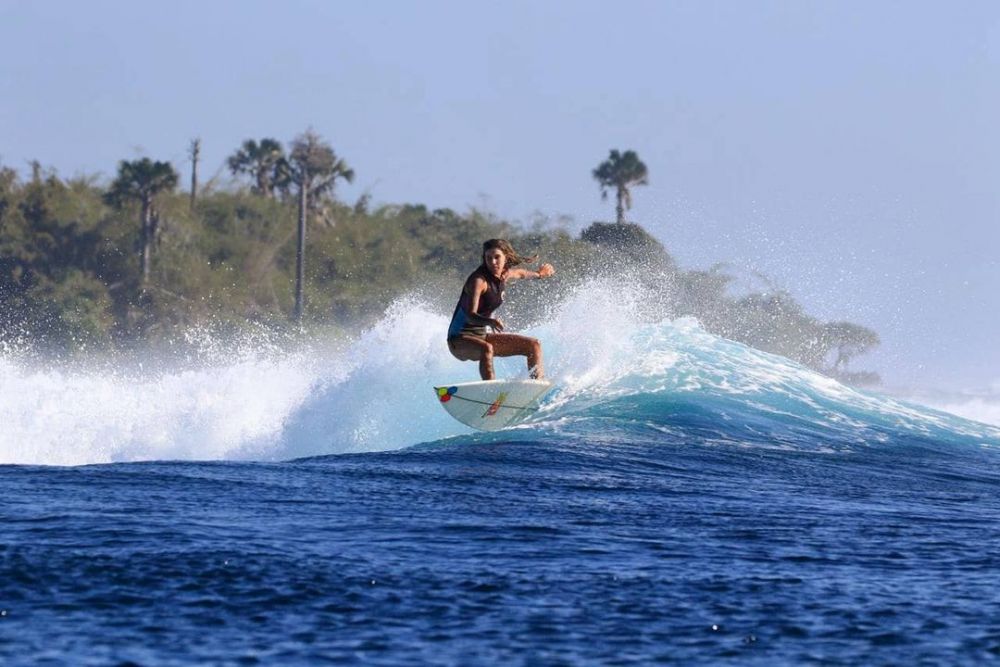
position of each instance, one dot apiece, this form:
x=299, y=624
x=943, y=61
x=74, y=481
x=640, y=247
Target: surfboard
x=490, y=405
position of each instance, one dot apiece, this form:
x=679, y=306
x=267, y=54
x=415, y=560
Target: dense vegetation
x=86, y=265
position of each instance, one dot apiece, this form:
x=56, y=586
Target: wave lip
x=675, y=373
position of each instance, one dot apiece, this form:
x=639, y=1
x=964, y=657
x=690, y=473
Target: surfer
x=474, y=334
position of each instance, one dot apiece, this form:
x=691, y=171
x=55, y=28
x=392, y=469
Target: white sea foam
x=984, y=409
x=69, y=418
x=253, y=401
x=981, y=404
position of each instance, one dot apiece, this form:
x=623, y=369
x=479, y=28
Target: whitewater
x=253, y=401
x=680, y=498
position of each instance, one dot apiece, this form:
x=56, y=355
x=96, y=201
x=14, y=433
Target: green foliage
x=314, y=165
x=847, y=340
x=69, y=280
x=140, y=181
x=627, y=244
x=52, y=251
x=143, y=181
x=265, y=162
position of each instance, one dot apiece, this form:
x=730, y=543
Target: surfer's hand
x=497, y=324
x=545, y=270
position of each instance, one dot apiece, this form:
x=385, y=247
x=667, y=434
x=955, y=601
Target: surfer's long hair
x=513, y=259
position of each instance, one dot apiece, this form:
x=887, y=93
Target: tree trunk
x=195, y=152
x=300, y=254
x=263, y=182
x=146, y=240
x=620, y=207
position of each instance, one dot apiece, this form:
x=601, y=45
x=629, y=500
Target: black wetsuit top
x=489, y=301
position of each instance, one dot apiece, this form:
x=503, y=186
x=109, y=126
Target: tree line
x=86, y=265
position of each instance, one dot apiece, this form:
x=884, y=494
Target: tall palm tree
x=264, y=161
x=619, y=172
x=141, y=181
x=315, y=169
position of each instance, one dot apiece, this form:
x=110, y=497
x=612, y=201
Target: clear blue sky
x=849, y=150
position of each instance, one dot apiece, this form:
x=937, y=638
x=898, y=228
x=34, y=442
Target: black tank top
x=489, y=301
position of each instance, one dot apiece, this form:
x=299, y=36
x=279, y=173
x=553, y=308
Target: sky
x=844, y=151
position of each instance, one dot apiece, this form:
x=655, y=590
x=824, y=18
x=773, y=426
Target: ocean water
x=680, y=499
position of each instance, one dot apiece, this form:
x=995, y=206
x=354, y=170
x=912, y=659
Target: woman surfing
x=474, y=334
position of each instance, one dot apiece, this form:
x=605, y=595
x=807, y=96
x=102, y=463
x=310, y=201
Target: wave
x=981, y=404
x=620, y=380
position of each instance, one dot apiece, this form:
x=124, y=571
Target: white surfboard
x=490, y=405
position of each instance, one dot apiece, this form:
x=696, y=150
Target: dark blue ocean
x=681, y=499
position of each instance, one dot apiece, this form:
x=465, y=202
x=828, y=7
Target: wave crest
x=619, y=378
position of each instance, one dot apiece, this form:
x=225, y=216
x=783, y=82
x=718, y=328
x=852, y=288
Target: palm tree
x=848, y=340
x=314, y=168
x=621, y=171
x=265, y=162
x=142, y=180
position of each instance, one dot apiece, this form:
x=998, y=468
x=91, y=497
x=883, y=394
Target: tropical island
x=92, y=266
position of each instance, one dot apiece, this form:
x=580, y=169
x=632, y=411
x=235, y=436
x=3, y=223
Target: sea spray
x=619, y=378
x=237, y=410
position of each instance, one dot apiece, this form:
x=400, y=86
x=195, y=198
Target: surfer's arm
x=544, y=271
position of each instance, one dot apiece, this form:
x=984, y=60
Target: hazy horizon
x=846, y=150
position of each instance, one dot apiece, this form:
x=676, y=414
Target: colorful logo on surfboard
x=492, y=410
x=445, y=393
